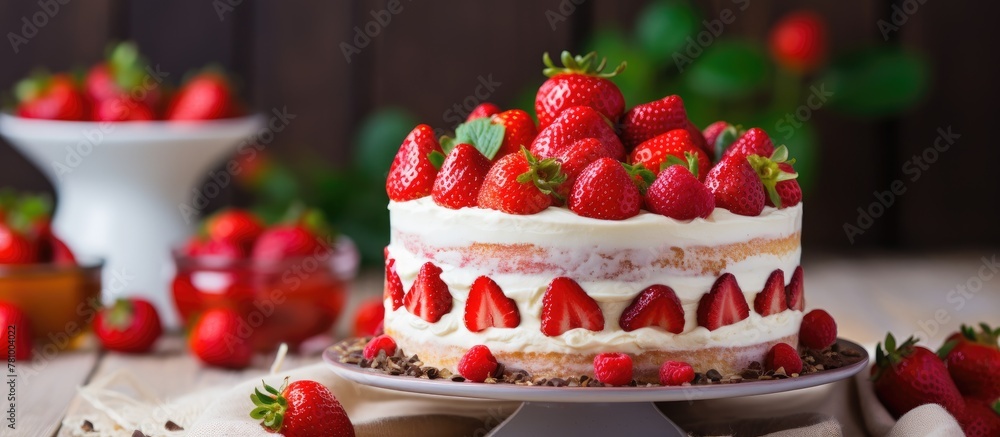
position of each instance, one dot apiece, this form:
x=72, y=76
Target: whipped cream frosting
x=579, y=247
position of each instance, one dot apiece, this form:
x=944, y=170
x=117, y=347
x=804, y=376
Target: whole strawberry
x=576, y=157
x=368, y=316
x=14, y=319
x=122, y=74
x=908, y=376
x=980, y=419
x=654, y=153
x=221, y=338
x=122, y=108
x=129, y=325
x=462, y=174
x=520, y=184
x=973, y=361
x=477, y=364
x=736, y=187
x=783, y=356
x=656, y=118
x=50, y=97
x=206, y=96
x=753, y=142
x=15, y=247
x=411, y=175
x=579, y=82
x=605, y=190
x=613, y=368
x=301, y=409
x=677, y=193
x=798, y=41
x=235, y=226
x=485, y=109
x=288, y=241
x=575, y=124
x=778, y=177
x=519, y=130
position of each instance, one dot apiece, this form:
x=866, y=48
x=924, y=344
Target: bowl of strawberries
x=126, y=151
x=43, y=285
x=286, y=281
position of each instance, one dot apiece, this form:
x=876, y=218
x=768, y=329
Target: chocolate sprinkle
x=171, y=426
x=713, y=374
x=87, y=426
x=138, y=433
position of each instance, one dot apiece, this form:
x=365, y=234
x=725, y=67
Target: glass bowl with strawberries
x=288, y=282
x=40, y=277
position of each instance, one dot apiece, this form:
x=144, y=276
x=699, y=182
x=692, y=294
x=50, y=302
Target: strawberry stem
x=891, y=355
x=640, y=175
x=270, y=407
x=579, y=65
x=690, y=162
x=771, y=173
x=545, y=174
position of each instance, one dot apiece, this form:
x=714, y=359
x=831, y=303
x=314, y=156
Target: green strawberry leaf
x=481, y=133
x=437, y=158
x=725, y=139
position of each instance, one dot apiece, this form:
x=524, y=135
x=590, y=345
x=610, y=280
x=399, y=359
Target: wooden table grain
x=928, y=297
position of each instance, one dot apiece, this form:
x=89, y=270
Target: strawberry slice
x=724, y=305
x=462, y=174
x=411, y=175
x=566, y=306
x=656, y=305
x=393, y=285
x=795, y=292
x=428, y=298
x=771, y=300
x=487, y=306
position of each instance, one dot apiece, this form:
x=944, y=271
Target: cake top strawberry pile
x=590, y=155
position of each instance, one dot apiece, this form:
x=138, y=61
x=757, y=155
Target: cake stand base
x=552, y=418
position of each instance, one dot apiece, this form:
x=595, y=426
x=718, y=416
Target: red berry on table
x=783, y=355
x=723, y=305
x=477, y=364
x=393, y=285
x=220, y=338
x=288, y=241
x=129, y=325
x=519, y=130
x=678, y=194
x=411, y=175
x=605, y=190
x=795, y=291
x=206, y=96
x=12, y=317
x=656, y=305
x=483, y=110
x=980, y=419
x=674, y=373
x=50, y=97
x=753, y=142
x=973, y=360
x=908, y=376
x=581, y=81
x=648, y=120
x=303, y=408
x=15, y=247
x=575, y=124
x=234, y=225
x=520, y=184
x=566, y=306
x=573, y=159
x=457, y=183
x=771, y=300
x=654, y=152
x=736, y=187
x=613, y=368
x=818, y=330
x=382, y=343
x=428, y=297
x=487, y=307
x=798, y=41
x=369, y=315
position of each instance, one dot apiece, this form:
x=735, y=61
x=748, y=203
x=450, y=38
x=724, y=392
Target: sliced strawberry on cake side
x=723, y=305
x=411, y=175
x=795, y=291
x=654, y=152
x=520, y=184
x=581, y=81
x=457, y=183
x=566, y=306
x=393, y=285
x=656, y=305
x=771, y=300
x=574, y=124
x=488, y=307
x=655, y=118
x=428, y=297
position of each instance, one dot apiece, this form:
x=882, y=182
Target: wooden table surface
x=927, y=296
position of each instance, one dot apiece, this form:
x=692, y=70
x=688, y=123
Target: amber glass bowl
x=285, y=301
x=60, y=301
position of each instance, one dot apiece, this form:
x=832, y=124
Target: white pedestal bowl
x=123, y=189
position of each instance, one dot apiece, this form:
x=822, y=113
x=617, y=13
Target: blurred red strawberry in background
x=798, y=41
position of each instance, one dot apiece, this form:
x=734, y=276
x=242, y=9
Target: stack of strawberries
x=589, y=154
x=126, y=87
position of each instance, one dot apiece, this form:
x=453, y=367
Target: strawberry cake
x=596, y=231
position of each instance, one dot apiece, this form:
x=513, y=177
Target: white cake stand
x=121, y=187
x=584, y=411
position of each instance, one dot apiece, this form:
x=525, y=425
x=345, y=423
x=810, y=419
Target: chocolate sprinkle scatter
x=171, y=426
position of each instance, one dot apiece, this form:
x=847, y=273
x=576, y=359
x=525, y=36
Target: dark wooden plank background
x=431, y=54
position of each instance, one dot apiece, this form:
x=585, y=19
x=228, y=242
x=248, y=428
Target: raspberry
x=477, y=364
x=380, y=343
x=676, y=373
x=613, y=368
x=783, y=355
x=818, y=330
